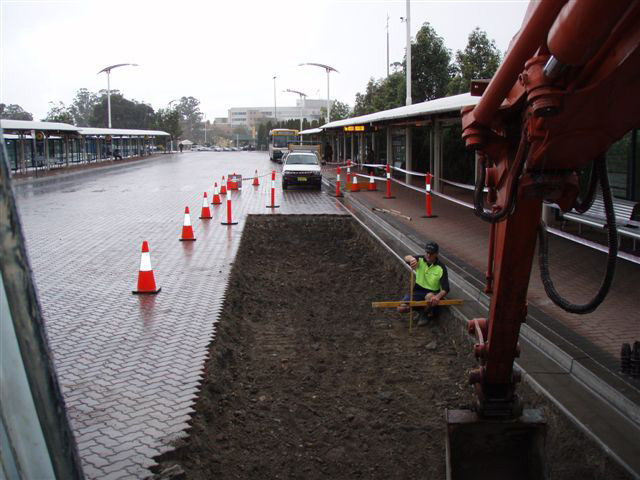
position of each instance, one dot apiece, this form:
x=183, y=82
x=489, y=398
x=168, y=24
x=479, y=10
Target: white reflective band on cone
x=204, y=202
x=187, y=220
x=145, y=262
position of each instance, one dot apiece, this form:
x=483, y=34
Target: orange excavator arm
x=565, y=92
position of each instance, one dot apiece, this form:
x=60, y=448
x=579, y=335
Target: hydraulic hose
x=600, y=170
x=518, y=164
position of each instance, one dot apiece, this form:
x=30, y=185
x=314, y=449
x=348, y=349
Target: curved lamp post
x=328, y=70
x=302, y=97
x=107, y=70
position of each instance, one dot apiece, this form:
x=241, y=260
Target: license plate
x=302, y=179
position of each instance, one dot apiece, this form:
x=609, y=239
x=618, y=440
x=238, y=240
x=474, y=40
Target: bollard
x=338, y=193
x=388, y=195
x=229, y=217
x=273, y=190
x=348, y=186
x=427, y=190
x=223, y=187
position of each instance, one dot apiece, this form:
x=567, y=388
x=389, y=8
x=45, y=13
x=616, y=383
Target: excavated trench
x=306, y=380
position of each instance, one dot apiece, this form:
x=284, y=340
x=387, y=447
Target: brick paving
x=576, y=270
x=130, y=366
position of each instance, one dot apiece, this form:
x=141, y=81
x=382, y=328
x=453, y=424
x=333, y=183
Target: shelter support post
x=408, y=154
x=389, y=146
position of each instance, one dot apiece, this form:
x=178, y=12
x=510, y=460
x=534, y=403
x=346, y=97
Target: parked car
x=301, y=168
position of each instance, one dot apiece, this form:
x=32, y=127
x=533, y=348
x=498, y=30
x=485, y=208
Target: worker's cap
x=431, y=247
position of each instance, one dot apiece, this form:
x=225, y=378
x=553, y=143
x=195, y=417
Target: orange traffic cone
x=216, y=195
x=187, y=229
x=354, y=185
x=372, y=184
x=205, y=213
x=146, y=281
x=223, y=187
x=256, y=183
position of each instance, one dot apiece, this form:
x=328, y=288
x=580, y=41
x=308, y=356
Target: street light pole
x=107, y=70
x=328, y=70
x=275, y=107
x=408, y=19
x=302, y=97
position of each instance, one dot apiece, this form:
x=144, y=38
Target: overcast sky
x=225, y=52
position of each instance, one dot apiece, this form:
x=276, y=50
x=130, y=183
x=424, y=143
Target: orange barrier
x=223, y=187
x=354, y=185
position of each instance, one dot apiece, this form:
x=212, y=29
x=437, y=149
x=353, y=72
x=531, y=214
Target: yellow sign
x=354, y=128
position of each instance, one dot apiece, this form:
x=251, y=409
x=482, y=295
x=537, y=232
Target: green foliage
x=124, y=113
x=58, y=112
x=382, y=94
x=339, y=111
x=429, y=65
x=168, y=120
x=479, y=60
x=14, y=112
x=191, y=118
x=82, y=107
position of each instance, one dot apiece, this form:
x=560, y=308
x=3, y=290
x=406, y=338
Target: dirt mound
x=306, y=380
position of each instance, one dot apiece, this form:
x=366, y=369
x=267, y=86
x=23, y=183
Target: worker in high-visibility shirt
x=431, y=284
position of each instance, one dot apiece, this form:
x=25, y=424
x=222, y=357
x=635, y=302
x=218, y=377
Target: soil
x=306, y=380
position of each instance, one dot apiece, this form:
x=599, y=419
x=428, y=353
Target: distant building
x=253, y=116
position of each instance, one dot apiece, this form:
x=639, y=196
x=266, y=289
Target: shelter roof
x=439, y=105
x=118, y=132
x=13, y=125
x=311, y=131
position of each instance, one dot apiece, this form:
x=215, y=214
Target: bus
x=279, y=140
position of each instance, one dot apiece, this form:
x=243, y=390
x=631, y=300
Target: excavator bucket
x=480, y=448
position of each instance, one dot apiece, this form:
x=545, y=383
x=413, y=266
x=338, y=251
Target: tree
x=381, y=94
x=82, y=107
x=430, y=69
x=168, y=120
x=124, y=113
x=339, y=111
x=14, y=112
x=58, y=112
x=479, y=60
x=190, y=116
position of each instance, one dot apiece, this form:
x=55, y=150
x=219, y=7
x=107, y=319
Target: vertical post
x=387, y=45
x=338, y=193
x=388, y=195
x=427, y=191
x=348, y=175
x=408, y=152
x=437, y=156
x=328, y=98
x=273, y=190
x=408, y=53
x=389, y=146
x=109, y=95
x=275, y=107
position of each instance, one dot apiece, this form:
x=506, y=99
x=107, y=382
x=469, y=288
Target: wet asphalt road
x=130, y=365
